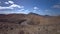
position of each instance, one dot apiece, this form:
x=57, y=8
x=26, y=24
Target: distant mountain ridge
x=31, y=16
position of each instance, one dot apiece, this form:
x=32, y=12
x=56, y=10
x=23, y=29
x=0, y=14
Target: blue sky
x=42, y=7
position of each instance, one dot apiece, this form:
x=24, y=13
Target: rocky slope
x=29, y=24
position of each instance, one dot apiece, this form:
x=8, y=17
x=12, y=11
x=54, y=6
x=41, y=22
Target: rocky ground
x=29, y=24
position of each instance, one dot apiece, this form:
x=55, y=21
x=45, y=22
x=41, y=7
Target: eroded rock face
x=29, y=24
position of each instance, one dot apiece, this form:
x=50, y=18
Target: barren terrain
x=29, y=24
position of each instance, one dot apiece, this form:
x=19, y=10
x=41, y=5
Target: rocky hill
x=29, y=24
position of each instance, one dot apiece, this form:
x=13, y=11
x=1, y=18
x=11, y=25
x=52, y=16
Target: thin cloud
x=56, y=6
x=0, y=2
x=5, y=7
x=46, y=10
x=35, y=8
x=21, y=9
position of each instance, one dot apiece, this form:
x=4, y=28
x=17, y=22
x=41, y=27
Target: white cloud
x=12, y=6
x=5, y=7
x=11, y=2
x=6, y=3
x=35, y=8
x=17, y=6
x=56, y=6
